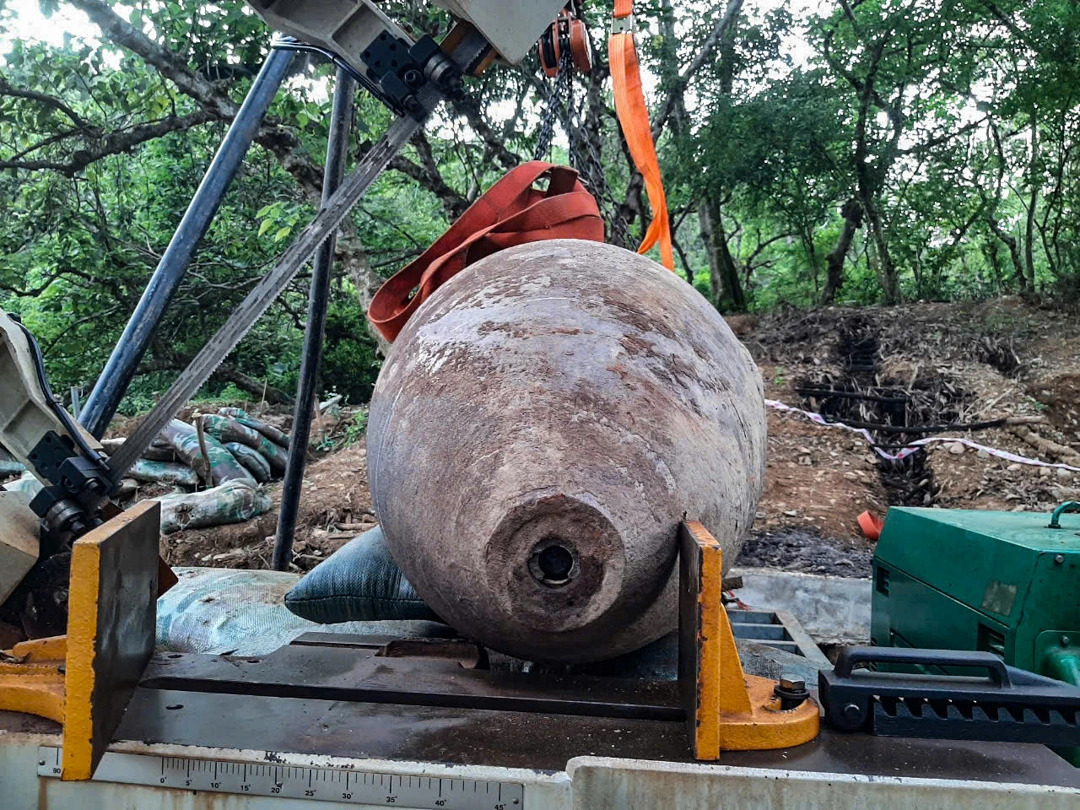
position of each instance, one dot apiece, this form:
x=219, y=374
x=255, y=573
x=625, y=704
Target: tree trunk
x=807, y=236
x=890, y=282
x=834, y=262
x=727, y=290
x=1014, y=252
x=353, y=262
x=871, y=177
x=990, y=249
x=707, y=236
x=1033, y=200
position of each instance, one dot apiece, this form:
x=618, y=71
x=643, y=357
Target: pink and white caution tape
x=915, y=445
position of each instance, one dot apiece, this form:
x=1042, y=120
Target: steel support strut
x=337, y=150
x=469, y=51
x=111, y=386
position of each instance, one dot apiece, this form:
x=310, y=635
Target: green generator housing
x=1001, y=582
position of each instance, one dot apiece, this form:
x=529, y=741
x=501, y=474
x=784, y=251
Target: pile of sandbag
x=219, y=463
x=217, y=466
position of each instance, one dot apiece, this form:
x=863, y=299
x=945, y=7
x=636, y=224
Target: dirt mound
x=1061, y=396
x=905, y=374
x=817, y=479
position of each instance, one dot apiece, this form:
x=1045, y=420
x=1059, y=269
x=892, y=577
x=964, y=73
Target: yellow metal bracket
x=83, y=680
x=728, y=710
x=32, y=678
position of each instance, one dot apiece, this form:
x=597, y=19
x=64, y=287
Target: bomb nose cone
x=557, y=563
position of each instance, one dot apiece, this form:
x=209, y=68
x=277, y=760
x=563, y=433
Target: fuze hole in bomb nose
x=553, y=562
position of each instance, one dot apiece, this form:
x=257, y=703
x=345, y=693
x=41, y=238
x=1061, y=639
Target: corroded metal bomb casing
x=544, y=422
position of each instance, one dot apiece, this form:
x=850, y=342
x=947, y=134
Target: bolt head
x=1065, y=641
x=1059, y=559
x=791, y=685
x=852, y=711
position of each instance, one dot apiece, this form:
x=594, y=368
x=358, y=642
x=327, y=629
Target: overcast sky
x=28, y=23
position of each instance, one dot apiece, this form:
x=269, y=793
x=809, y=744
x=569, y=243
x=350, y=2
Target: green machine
x=1000, y=582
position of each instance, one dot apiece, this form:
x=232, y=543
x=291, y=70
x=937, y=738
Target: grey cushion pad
x=359, y=582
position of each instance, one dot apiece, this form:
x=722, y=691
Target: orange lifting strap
x=512, y=212
x=634, y=119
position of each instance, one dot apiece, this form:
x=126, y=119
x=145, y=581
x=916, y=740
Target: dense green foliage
x=868, y=152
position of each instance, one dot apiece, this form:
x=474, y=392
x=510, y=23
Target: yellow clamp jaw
x=728, y=710
x=83, y=680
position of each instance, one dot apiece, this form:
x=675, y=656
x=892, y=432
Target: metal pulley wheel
x=567, y=33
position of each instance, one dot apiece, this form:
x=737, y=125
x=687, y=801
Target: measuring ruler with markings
x=297, y=782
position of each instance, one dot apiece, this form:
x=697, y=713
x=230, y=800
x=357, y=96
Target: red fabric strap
x=512, y=212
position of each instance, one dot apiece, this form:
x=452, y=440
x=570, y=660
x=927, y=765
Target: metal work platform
x=589, y=746
x=427, y=724
x=347, y=721
x=777, y=629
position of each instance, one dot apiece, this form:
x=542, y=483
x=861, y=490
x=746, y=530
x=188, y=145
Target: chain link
x=594, y=177
x=590, y=166
x=555, y=104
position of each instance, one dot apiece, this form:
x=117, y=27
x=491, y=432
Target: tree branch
x=114, y=143
x=712, y=42
x=494, y=143
x=168, y=64
x=244, y=382
x=6, y=89
x=280, y=140
x=426, y=173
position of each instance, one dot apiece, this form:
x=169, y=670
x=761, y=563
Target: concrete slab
x=833, y=610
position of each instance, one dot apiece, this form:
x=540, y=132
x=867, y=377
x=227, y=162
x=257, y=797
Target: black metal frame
x=122, y=365
x=119, y=371
x=337, y=149
x=1007, y=705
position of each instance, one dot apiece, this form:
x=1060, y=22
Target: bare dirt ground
x=943, y=364
x=929, y=364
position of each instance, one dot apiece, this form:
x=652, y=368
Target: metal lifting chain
x=595, y=179
x=556, y=105
x=560, y=107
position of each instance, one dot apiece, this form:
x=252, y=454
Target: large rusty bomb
x=544, y=422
